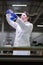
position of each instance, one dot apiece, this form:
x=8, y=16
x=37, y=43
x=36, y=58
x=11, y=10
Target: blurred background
x=35, y=8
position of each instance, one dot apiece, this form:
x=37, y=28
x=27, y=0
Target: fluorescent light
x=22, y=12
x=39, y=25
x=19, y=5
x=18, y=13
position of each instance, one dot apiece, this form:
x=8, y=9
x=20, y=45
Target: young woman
x=23, y=30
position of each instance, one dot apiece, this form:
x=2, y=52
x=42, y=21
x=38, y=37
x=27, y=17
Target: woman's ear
x=28, y=18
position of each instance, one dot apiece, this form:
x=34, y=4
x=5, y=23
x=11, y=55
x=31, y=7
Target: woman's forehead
x=24, y=14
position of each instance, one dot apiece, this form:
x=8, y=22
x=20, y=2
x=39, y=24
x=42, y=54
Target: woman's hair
x=27, y=13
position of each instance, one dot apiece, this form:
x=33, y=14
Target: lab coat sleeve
x=23, y=26
x=12, y=23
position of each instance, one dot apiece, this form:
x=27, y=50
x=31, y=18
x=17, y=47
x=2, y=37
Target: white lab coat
x=23, y=33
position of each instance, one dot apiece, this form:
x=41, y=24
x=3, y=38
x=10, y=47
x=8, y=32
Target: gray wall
x=3, y=37
x=37, y=36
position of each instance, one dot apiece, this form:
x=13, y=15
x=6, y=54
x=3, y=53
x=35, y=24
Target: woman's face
x=24, y=17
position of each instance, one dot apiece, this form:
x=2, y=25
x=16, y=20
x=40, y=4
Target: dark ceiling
x=35, y=8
